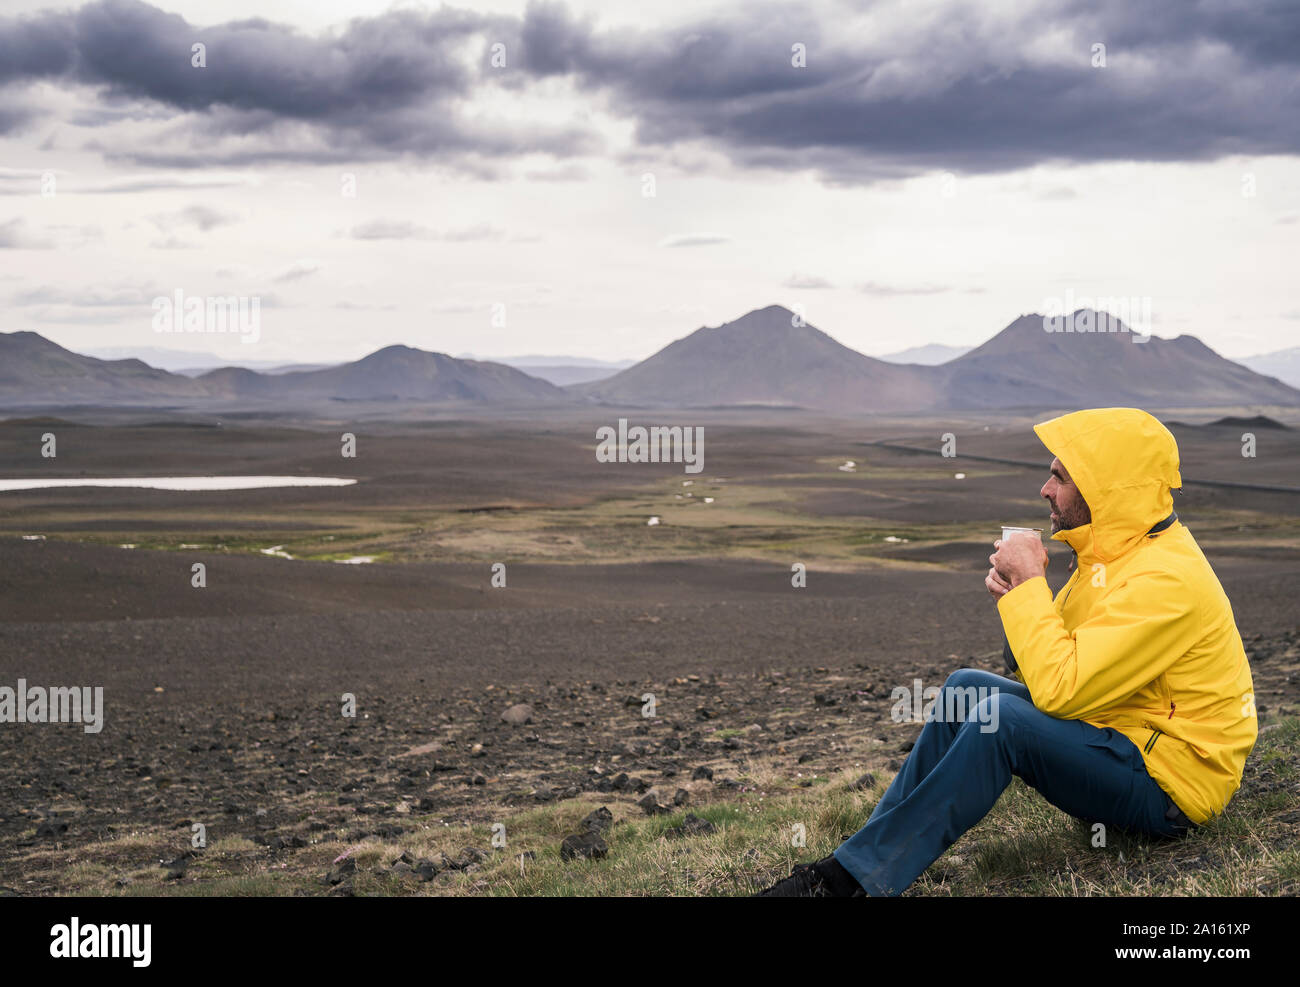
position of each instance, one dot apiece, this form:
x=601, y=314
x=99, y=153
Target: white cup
x=1008, y=531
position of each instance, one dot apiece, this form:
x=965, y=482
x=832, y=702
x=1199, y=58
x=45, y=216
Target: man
x=1133, y=706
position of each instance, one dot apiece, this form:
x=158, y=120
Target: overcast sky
x=930, y=172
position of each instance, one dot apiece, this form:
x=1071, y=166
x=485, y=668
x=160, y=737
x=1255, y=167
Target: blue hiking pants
x=959, y=767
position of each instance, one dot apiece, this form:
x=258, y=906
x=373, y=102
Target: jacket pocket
x=1167, y=694
x=1149, y=746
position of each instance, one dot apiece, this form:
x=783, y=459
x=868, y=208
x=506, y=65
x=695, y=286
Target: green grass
x=1025, y=846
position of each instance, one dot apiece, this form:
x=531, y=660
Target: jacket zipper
x=1070, y=589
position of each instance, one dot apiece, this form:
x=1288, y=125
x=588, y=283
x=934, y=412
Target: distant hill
x=1024, y=365
x=763, y=358
x=395, y=373
x=36, y=371
x=1259, y=421
x=1282, y=364
x=263, y=367
x=191, y=363
x=929, y=355
x=1233, y=421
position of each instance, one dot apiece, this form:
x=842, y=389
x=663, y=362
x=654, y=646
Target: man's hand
x=997, y=586
x=1018, y=559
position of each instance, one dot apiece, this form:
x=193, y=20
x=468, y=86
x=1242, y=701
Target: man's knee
x=964, y=678
x=998, y=714
x=967, y=687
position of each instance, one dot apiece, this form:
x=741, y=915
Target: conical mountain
x=1026, y=365
x=767, y=357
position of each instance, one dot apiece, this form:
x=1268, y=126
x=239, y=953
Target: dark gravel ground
x=279, y=767
x=224, y=707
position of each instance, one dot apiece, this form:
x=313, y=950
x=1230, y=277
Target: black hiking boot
x=826, y=878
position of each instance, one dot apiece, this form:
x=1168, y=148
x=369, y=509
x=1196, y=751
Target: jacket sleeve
x=1132, y=637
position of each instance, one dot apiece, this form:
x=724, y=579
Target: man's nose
x=1043, y=492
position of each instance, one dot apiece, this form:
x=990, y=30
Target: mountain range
x=36, y=371
x=768, y=357
x=191, y=363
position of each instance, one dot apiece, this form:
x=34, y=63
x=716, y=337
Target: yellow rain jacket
x=1142, y=637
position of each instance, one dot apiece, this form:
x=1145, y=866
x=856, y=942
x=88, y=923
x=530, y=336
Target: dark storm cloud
x=1265, y=32
x=37, y=47
x=381, y=87
x=1180, y=82
x=960, y=88
x=138, y=51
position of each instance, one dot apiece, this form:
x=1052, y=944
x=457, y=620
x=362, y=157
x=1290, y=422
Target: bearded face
x=1069, y=509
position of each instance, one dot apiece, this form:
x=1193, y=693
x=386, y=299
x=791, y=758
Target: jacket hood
x=1124, y=462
